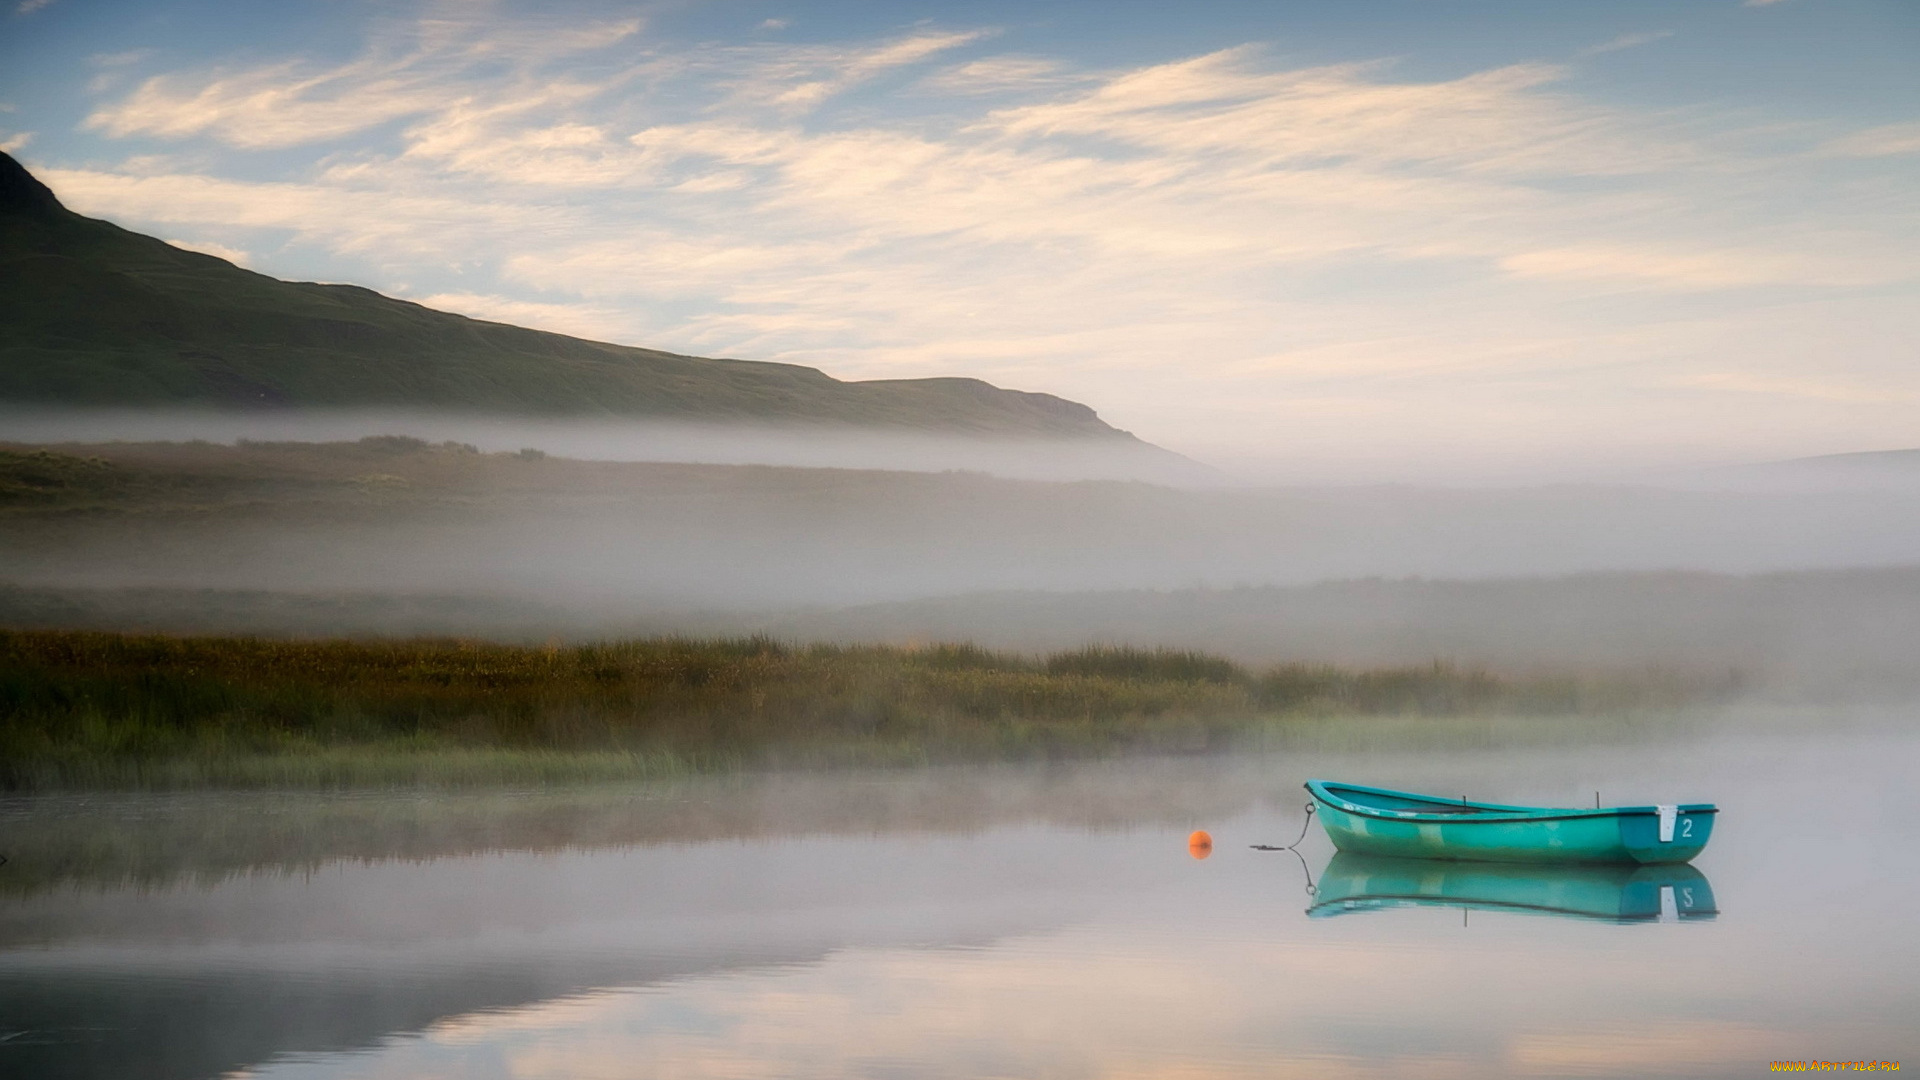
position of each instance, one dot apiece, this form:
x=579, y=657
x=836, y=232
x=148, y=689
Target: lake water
x=992, y=922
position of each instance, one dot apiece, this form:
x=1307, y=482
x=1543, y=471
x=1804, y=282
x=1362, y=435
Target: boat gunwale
x=1492, y=812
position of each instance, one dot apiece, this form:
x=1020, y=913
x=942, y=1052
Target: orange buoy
x=1200, y=844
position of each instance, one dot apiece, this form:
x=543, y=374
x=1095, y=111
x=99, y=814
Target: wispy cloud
x=119, y=59
x=1001, y=74
x=596, y=322
x=1826, y=390
x=1885, y=141
x=1626, y=41
x=1503, y=120
x=1652, y=265
x=799, y=79
x=290, y=104
x=431, y=228
x=28, y=7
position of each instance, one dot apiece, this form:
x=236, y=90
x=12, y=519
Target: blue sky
x=1340, y=241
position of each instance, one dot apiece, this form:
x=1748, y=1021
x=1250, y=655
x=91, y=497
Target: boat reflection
x=1624, y=893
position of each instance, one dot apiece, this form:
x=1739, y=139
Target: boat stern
x=1667, y=834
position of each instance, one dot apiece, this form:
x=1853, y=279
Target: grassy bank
x=107, y=710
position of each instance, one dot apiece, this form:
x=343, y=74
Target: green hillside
x=94, y=315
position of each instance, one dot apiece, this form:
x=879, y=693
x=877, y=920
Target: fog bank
x=628, y=439
x=398, y=536
x=402, y=516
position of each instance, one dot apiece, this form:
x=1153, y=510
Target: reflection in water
x=1615, y=893
x=1013, y=922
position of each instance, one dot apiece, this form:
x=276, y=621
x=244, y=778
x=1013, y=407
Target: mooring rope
x=1294, y=847
x=1304, y=826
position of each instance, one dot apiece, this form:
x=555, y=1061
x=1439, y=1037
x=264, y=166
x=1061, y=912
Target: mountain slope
x=92, y=314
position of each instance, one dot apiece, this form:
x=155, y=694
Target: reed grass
x=98, y=710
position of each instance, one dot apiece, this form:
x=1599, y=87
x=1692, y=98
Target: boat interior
x=1424, y=804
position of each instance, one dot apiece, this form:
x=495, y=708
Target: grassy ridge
x=84, y=709
x=204, y=478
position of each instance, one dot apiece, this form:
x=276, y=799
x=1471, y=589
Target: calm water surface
x=1015, y=922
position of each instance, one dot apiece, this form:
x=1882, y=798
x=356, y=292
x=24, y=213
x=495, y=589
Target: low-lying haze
x=610, y=439
x=398, y=535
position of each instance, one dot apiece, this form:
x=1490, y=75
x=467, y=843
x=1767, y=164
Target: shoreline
x=101, y=711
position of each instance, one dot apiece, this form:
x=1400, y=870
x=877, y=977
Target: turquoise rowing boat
x=1618, y=892
x=1377, y=821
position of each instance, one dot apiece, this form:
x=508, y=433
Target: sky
x=1405, y=240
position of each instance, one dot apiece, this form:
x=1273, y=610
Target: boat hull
x=1376, y=821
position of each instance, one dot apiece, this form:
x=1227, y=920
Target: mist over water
x=1013, y=920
